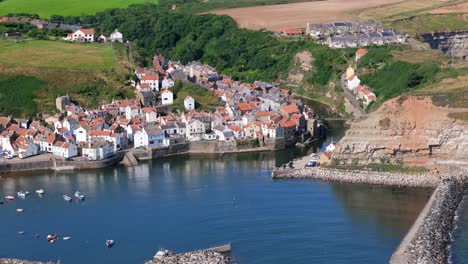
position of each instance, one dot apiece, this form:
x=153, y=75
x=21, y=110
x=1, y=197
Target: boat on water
x=162, y=253
x=66, y=238
x=67, y=198
x=40, y=191
x=21, y=194
x=110, y=243
x=52, y=238
x=9, y=198
x=21, y=232
x=79, y=196
x=19, y=210
x=1, y=201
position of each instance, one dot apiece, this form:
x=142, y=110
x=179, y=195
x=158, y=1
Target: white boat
x=109, y=243
x=79, y=196
x=66, y=238
x=19, y=210
x=67, y=198
x=40, y=191
x=21, y=194
x=51, y=238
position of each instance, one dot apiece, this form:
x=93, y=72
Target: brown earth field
x=298, y=14
x=457, y=8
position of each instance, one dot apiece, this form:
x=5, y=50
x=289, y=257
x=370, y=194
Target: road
x=357, y=111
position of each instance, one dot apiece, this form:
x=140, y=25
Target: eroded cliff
x=408, y=129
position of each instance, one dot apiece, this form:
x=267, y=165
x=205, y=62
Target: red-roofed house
x=83, y=35
x=289, y=127
x=244, y=107
x=64, y=149
x=289, y=110
x=359, y=53
x=152, y=80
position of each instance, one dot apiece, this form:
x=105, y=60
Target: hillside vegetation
x=46, y=8
x=34, y=73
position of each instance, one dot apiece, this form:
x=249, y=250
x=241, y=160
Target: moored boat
x=19, y=210
x=79, y=196
x=21, y=194
x=67, y=198
x=40, y=191
x=66, y=238
x=9, y=198
x=51, y=238
x=109, y=243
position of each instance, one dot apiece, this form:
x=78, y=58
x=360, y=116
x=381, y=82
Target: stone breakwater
x=195, y=257
x=364, y=177
x=431, y=242
x=20, y=261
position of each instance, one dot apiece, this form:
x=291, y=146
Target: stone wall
x=367, y=177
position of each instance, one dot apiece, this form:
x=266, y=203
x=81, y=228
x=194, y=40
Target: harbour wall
x=428, y=239
x=363, y=177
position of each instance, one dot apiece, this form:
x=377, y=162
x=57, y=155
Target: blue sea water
x=192, y=202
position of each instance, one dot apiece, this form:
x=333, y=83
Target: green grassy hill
x=46, y=8
x=34, y=73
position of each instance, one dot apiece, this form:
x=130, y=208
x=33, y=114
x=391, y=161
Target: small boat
x=26, y=193
x=21, y=232
x=19, y=210
x=1, y=201
x=79, y=196
x=109, y=243
x=67, y=198
x=21, y=194
x=51, y=238
x=9, y=198
x=66, y=238
x=40, y=191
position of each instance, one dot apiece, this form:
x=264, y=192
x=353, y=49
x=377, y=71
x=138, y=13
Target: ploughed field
x=298, y=14
x=46, y=8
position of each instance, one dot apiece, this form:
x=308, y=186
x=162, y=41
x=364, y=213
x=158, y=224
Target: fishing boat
x=19, y=210
x=109, y=243
x=9, y=198
x=51, y=238
x=67, y=198
x=21, y=194
x=40, y=191
x=79, y=196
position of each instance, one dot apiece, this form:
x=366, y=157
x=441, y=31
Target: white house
x=150, y=137
x=167, y=97
x=81, y=134
x=132, y=111
x=27, y=149
x=195, y=129
x=223, y=133
x=98, y=150
x=189, y=103
x=64, y=149
x=116, y=36
x=167, y=83
x=150, y=114
x=83, y=35
x=353, y=82
x=151, y=80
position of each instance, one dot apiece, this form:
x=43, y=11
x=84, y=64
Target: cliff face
x=407, y=129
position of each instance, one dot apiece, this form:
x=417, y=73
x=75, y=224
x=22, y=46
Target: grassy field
x=52, y=54
x=46, y=8
x=32, y=74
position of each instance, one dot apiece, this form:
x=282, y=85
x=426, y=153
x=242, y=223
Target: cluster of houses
x=246, y=111
x=362, y=92
x=354, y=34
x=77, y=33
x=347, y=34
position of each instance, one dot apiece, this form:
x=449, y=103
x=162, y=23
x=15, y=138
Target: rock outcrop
x=195, y=257
x=407, y=129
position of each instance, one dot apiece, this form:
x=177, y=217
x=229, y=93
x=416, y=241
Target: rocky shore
x=431, y=242
x=20, y=261
x=194, y=257
x=364, y=177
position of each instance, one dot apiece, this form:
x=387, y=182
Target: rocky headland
x=20, y=261
x=408, y=129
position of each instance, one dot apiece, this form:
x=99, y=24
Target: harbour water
x=186, y=202
x=459, y=249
